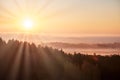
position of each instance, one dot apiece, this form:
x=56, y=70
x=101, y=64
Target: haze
x=64, y=17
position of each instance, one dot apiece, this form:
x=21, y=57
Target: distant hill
x=84, y=45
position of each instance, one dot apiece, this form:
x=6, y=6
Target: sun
x=28, y=23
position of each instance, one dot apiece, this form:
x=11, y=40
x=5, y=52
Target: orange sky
x=79, y=17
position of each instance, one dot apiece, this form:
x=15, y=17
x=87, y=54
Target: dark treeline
x=26, y=61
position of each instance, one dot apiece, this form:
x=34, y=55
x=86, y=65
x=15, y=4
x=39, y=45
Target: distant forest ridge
x=85, y=45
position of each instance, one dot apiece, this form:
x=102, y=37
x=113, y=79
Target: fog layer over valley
x=87, y=48
x=102, y=45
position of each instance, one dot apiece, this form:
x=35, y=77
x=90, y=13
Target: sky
x=61, y=17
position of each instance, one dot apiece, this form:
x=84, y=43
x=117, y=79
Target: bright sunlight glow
x=28, y=23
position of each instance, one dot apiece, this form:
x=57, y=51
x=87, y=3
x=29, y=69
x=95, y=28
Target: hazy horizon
x=65, y=39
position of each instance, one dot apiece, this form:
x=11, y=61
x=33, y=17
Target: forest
x=25, y=61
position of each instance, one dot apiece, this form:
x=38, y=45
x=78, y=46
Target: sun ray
x=27, y=62
x=7, y=21
x=7, y=11
x=18, y=6
x=4, y=22
x=15, y=68
x=4, y=17
x=42, y=8
x=26, y=6
x=26, y=9
x=57, y=13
